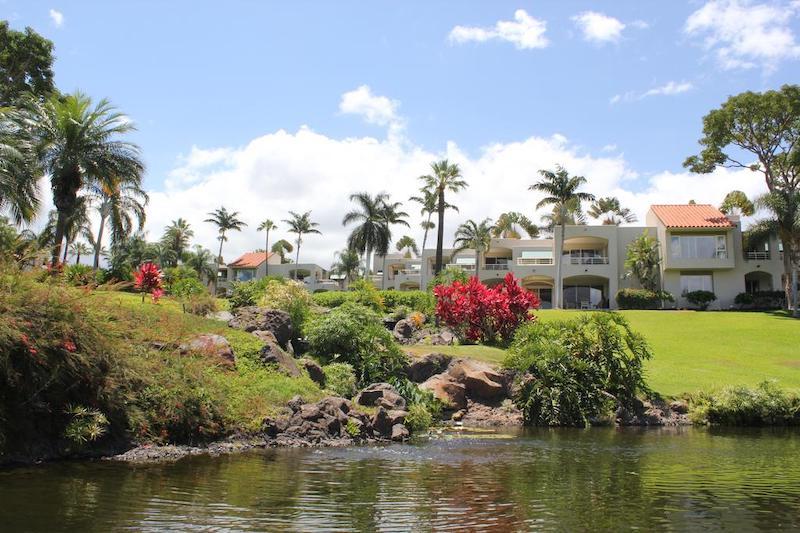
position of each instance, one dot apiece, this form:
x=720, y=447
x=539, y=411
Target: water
x=564, y=480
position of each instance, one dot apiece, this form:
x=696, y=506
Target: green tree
x=347, y=264
x=765, y=128
x=282, y=247
x=642, y=261
x=371, y=229
x=203, y=262
x=408, y=244
x=391, y=215
x=19, y=191
x=509, y=225
x=561, y=192
x=737, y=203
x=610, y=210
x=77, y=145
x=224, y=221
x=267, y=226
x=176, y=238
x=474, y=236
x=571, y=215
x=77, y=224
x=121, y=205
x=428, y=206
x=301, y=224
x=78, y=249
x=446, y=177
x=26, y=64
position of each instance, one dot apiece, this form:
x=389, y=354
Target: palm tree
x=572, y=216
x=785, y=209
x=642, y=261
x=301, y=224
x=19, y=190
x=225, y=222
x=390, y=216
x=408, y=244
x=371, y=229
x=428, y=201
x=121, y=202
x=267, y=225
x=737, y=203
x=282, y=247
x=610, y=210
x=347, y=264
x=202, y=261
x=446, y=177
x=176, y=238
x=77, y=145
x=474, y=236
x=78, y=249
x=507, y=224
x=561, y=192
x=75, y=225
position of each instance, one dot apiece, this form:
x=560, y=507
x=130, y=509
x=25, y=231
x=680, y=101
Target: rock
x=447, y=390
x=272, y=354
x=679, y=407
x=404, y=329
x=215, y=346
x=252, y=318
x=481, y=414
x=382, y=394
x=264, y=336
x=426, y=366
x=443, y=338
x=384, y=420
x=223, y=316
x=315, y=371
x=481, y=381
x=295, y=403
x=458, y=415
x=399, y=432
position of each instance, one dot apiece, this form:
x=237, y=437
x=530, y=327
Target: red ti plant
x=484, y=314
x=148, y=280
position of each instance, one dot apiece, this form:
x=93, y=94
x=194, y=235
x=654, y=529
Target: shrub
x=354, y=334
x=766, y=405
x=79, y=275
x=340, y=379
x=478, y=313
x=174, y=275
x=365, y=293
x=414, y=395
x=700, y=299
x=400, y=312
x=200, y=304
x=418, y=418
x=761, y=300
x=148, y=280
x=331, y=299
x=577, y=370
x=289, y=296
x=420, y=301
x=245, y=293
x=641, y=298
x=87, y=425
x=448, y=276
x=744, y=298
x=188, y=287
x=417, y=319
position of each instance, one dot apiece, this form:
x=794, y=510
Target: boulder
x=215, y=346
x=443, y=338
x=295, y=403
x=399, y=432
x=264, y=336
x=381, y=394
x=253, y=318
x=447, y=390
x=481, y=381
x=272, y=354
x=404, y=329
x=421, y=368
x=384, y=420
x=315, y=371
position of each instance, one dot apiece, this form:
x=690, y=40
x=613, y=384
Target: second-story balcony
x=586, y=260
x=531, y=261
x=756, y=255
x=496, y=266
x=465, y=267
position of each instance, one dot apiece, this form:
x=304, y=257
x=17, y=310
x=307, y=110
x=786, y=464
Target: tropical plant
x=77, y=224
x=408, y=246
x=474, y=236
x=120, y=203
x=391, y=215
x=737, y=203
x=79, y=249
x=224, y=221
x=641, y=298
x=19, y=190
x=301, y=224
x=77, y=145
x=642, y=261
x=371, y=230
x=176, y=238
x=202, y=261
x=562, y=193
x=765, y=405
x=610, y=210
x=282, y=247
x=266, y=226
x=289, y=296
x=446, y=177
x=572, y=215
x=347, y=264
x=429, y=202
x=148, y=279
x=447, y=276
x=340, y=379
x=700, y=299
x=509, y=224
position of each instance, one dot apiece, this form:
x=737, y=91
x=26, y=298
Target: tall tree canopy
x=446, y=177
x=26, y=64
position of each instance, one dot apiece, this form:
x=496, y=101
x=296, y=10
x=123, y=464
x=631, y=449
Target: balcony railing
x=462, y=267
x=596, y=260
x=498, y=266
x=527, y=261
x=408, y=271
x=754, y=255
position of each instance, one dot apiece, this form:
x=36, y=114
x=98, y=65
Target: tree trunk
x=383, y=276
x=367, y=256
x=78, y=258
x=219, y=256
x=297, y=257
x=787, y=272
x=266, y=254
x=439, y=234
x=66, y=249
x=98, y=244
x=795, y=310
x=559, y=292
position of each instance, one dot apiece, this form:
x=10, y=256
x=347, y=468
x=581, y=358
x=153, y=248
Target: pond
x=546, y=479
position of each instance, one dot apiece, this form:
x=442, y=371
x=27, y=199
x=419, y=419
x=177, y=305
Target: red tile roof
x=691, y=216
x=250, y=260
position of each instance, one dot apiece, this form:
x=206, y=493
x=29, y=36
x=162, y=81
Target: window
x=698, y=247
x=696, y=282
x=246, y=274
x=467, y=261
x=496, y=260
x=539, y=253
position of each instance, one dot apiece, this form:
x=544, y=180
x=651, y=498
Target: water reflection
x=563, y=479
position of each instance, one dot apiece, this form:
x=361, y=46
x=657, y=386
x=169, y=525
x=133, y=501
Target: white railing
x=408, y=271
x=462, y=267
x=752, y=255
x=596, y=260
x=498, y=266
x=525, y=261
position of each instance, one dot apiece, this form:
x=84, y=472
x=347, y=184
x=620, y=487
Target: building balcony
x=756, y=255
x=499, y=266
x=532, y=261
x=467, y=268
x=593, y=260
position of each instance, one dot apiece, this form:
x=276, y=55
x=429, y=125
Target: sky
x=267, y=107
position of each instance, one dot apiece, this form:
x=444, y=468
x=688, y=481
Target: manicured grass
x=696, y=351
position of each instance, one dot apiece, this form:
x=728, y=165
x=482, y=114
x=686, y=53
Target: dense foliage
x=245, y=293
x=476, y=312
x=289, y=296
x=642, y=298
x=766, y=405
x=340, y=378
x=700, y=299
x=576, y=371
x=642, y=261
x=447, y=276
x=148, y=280
x=392, y=300
x=761, y=300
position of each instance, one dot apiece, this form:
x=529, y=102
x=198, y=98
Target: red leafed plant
x=148, y=280
x=476, y=312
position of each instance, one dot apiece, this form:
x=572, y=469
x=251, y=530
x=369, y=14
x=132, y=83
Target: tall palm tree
x=572, y=215
x=19, y=191
x=176, y=238
x=301, y=224
x=77, y=144
x=561, y=192
x=121, y=205
x=282, y=247
x=225, y=222
x=347, y=264
x=610, y=210
x=784, y=206
x=267, y=225
x=371, y=229
x=408, y=244
x=474, y=236
x=446, y=177
x=202, y=261
x=390, y=216
x=78, y=249
x=428, y=202
x=75, y=225
x=510, y=224
x=737, y=203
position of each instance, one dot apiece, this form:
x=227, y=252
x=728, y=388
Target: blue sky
x=613, y=88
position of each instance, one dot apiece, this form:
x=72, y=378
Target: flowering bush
x=148, y=280
x=476, y=312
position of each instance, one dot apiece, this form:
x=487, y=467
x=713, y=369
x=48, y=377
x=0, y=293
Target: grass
x=696, y=351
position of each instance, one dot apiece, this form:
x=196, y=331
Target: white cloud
x=640, y=24
x=375, y=109
x=743, y=34
x=599, y=28
x=525, y=32
x=671, y=88
x=57, y=17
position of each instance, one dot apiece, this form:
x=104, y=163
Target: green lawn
x=696, y=351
